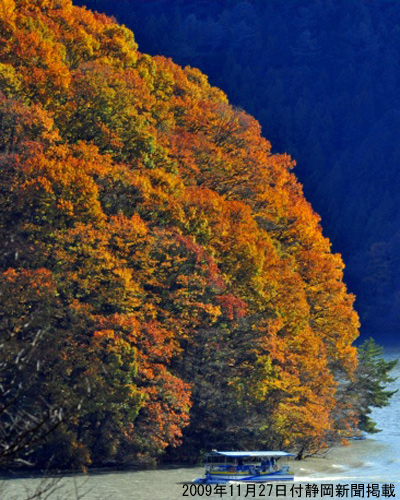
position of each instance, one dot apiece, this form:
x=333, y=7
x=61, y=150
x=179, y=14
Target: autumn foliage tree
x=182, y=276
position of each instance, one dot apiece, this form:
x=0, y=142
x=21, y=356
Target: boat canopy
x=244, y=454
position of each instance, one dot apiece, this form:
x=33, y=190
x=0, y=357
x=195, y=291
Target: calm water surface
x=374, y=460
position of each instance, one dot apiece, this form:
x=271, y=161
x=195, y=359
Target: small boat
x=246, y=466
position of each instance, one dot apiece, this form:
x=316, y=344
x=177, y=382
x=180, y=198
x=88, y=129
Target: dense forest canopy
x=322, y=79
x=161, y=269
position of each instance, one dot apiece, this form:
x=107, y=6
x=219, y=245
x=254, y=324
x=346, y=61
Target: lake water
x=371, y=461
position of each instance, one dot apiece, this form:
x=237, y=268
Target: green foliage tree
x=369, y=387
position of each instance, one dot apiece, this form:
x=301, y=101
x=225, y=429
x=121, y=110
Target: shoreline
x=318, y=463
x=345, y=465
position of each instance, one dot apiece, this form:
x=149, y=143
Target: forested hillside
x=322, y=77
x=161, y=270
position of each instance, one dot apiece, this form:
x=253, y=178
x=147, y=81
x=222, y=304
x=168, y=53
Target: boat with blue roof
x=247, y=467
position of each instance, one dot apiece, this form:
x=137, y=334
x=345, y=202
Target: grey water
x=375, y=460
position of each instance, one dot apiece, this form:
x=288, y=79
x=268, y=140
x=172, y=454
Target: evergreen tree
x=370, y=384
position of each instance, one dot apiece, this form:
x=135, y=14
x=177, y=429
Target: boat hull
x=228, y=478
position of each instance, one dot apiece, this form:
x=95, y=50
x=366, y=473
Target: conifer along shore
x=163, y=279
